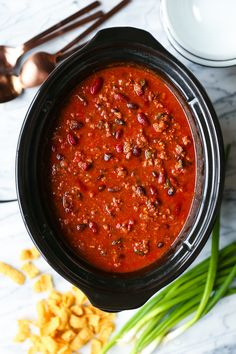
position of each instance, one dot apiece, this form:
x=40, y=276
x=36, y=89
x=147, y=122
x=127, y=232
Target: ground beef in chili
x=121, y=168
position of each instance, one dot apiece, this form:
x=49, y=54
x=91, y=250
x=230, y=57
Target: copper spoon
x=37, y=67
x=11, y=85
x=9, y=56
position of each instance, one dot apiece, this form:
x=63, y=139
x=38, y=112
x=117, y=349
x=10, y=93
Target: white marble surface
x=216, y=333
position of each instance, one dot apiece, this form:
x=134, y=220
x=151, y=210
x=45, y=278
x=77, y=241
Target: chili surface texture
x=121, y=168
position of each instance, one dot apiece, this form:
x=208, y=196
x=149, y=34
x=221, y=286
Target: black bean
x=136, y=151
x=81, y=227
x=119, y=121
x=107, y=156
x=160, y=244
x=101, y=176
x=113, y=189
x=140, y=190
x=171, y=191
x=143, y=82
x=59, y=157
x=101, y=187
x=157, y=202
x=117, y=242
x=76, y=125
x=154, y=174
x=131, y=105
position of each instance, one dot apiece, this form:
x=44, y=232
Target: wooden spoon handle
x=97, y=23
x=33, y=42
x=70, y=27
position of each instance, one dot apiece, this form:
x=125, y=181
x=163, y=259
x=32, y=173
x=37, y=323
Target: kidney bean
x=142, y=118
x=177, y=209
x=93, y=227
x=119, y=148
x=72, y=140
x=96, y=85
x=119, y=134
x=161, y=178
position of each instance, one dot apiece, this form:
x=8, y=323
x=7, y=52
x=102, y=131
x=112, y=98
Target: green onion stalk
x=194, y=293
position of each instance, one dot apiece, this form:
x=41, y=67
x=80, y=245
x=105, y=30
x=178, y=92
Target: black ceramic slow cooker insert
x=116, y=292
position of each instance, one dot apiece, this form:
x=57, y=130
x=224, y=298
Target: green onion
x=196, y=292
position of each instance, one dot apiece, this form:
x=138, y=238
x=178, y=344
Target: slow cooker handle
x=115, y=302
x=124, y=34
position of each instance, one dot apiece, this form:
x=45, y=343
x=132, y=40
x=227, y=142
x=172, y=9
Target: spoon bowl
x=38, y=66
x=36, y=69
x=10, y=87
x=9, y=57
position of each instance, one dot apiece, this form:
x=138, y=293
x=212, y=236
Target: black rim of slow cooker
x=29, y=197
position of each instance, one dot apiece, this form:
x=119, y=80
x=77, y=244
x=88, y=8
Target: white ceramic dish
x=202, y=30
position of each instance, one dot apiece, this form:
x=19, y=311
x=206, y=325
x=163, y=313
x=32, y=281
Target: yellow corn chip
x=68, y=299
x=37, y=346
x=44, y=283
x=66, y=322
x=23, y=331
x=50, y=345
x=78, y=322
x=30, y=269
x=42, y=311
x=12, y=273
x=81, y=298
x=29, y=254
x=68, y=335
x=85, y=335
x=96, y=346
x=50, y=327
x=56, y=296
x=77, y=310
x=64, y=315
x=93, y=320
x=65, y=350
x=105, y=333
x=76, y=343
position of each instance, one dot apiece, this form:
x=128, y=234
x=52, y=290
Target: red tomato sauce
x=121, y=168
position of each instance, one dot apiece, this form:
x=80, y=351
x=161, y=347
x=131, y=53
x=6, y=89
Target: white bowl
x=202, y=30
